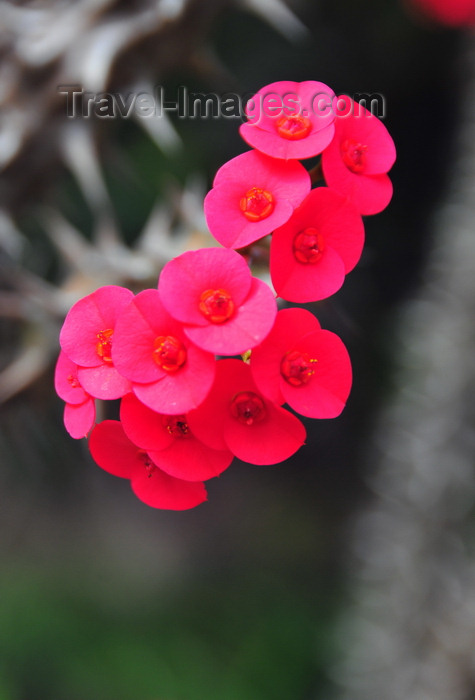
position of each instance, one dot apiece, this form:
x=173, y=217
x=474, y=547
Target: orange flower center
x=308, y=245
x=248, y=408
x=293, y=127
x=216, y=305
x=297, y=368
x=169, y=353
x=257, y=204
x=177, y=426
x=104, y=344
x=354, y=155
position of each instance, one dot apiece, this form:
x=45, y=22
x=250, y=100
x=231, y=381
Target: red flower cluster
x=188, y=406
x=317, y=235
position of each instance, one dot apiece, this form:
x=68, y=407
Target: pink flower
x=112, y=450
x=87, y=337
x=358, y=158
x=167, y=372
x=253, y=194
x=456, y=13
x=236, y=416
x=80, y=410
x=170, y=443
x=311, y=254
x=290, y=120
x=223, y=308
x=302, y=365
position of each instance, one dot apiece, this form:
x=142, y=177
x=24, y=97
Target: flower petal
x=103, y=382
x=310, y=99
x=112, y=450
x=88, y=317
x=287, y=181
x=300, y=283
x=185, y=278
x=79, y=418
x=325, y=395
x=289, y=326
x=183, y=390
x=143, y=426
x=269, y=441
x=66, y=382
x=160, y=490
x=250, y=324
x=190, y=459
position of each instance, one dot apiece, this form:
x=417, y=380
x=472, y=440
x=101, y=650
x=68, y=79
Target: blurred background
x=347, y=572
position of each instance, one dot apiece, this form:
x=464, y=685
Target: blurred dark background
x=102, y=597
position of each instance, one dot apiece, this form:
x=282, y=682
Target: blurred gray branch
x=411, y=633
x=104, y=45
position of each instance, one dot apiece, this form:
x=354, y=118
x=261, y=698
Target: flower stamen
x=177, y=426
x=104, y=345
x=248, y=408
x=169, y=353
x=354, y=155
x=257, y=204
x=149, y=466
x=293, y=127
x=308, y=246
x=297, y=367
x=216, y=305
x=73, y=381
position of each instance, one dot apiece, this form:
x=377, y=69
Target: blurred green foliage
x=245, y=637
